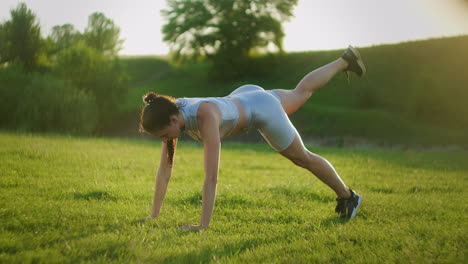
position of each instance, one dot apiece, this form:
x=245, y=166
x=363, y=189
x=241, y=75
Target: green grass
x=70, y=199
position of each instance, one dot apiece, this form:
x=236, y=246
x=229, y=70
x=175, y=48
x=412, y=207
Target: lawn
x=75, y=200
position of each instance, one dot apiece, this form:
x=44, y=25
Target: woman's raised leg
x=350, y=61
x=291, y=100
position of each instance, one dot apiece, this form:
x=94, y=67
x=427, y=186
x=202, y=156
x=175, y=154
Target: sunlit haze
x=316, y=25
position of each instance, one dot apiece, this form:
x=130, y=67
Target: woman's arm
x=211, y=149
x=208, y=124
x=162, y=180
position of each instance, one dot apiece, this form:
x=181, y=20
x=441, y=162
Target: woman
x=211, y=119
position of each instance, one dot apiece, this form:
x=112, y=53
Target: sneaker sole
x=359, y=60
x=353, y=214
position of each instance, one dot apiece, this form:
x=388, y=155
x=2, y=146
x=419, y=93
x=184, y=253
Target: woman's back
x=189, y=108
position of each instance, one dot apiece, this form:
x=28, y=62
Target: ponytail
x=170, y=144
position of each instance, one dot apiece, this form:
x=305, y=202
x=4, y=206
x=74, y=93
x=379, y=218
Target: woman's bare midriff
x=242, y=118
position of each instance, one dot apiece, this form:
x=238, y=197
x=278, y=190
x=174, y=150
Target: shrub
x=42, y=103
x=93, y=72
x=12, y=83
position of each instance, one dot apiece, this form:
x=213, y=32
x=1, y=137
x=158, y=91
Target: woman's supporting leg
x=291, y=100
x=317, y=165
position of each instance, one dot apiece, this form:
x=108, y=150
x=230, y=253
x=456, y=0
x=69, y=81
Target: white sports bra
x=189, y=108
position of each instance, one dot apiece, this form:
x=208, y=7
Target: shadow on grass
x=385, y=190
x=444, y=190
x=94, y=195
x=297, y=194
x=223, y=200
x=214, y=254
x=219, y=254
x=333, y=221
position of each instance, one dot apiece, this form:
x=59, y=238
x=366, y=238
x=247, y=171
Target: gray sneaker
x=347, y=208
x=355, y=63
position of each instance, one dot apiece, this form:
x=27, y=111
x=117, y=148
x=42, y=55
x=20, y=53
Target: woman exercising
x=248, y=107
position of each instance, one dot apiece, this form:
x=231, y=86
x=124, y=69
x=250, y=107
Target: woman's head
x=160, y=118
x=159, y=115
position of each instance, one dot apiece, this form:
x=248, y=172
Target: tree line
x=72, y=81
x=68, y=81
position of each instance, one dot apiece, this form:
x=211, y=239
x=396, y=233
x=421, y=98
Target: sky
x=316, y=25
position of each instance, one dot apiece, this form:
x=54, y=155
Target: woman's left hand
x=191, y=227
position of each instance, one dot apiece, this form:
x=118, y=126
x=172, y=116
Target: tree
x=224, y=29
x=102, y=34
x=64, y=36
x=3, y=45
x=21, y=38
x=95, y=73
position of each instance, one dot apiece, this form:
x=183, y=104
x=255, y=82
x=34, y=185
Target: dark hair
x=156, y=114
x=157, y=111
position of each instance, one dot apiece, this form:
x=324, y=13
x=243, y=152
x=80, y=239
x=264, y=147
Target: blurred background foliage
x=75, y=82
x=225, y=32
x=70, y=81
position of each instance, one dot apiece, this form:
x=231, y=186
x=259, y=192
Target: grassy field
x=75, y=200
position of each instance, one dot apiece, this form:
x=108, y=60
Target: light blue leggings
x=264, y=112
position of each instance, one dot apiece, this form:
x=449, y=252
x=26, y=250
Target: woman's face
x=170, y=131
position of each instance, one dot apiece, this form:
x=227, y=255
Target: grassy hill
x=414, y=92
